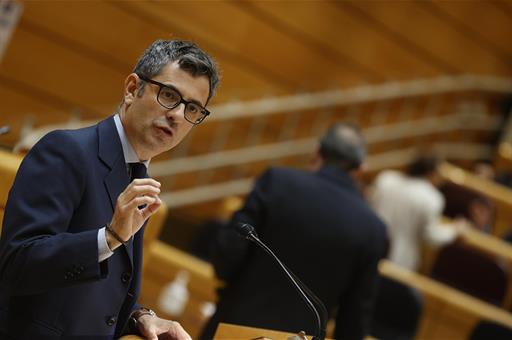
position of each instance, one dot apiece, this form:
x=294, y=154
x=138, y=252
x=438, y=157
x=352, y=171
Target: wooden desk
x=227, y=331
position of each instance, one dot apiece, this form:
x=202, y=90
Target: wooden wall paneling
x=240, y=80
x=77, y=80
x=433, y=36
x=278, y=21
x=20, y=107
x=121, y=37
x=255, y=43
x=349, y=37
x=95, y=27
x=490, y=26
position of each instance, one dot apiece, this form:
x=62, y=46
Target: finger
x=178, y=332
x=141, y=200
x=140, y=190
x=126, y=196
x=151, y=209
x=145, y=181
x=154, y=207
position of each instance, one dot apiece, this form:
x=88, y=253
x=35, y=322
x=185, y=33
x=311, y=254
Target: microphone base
x=300, y=336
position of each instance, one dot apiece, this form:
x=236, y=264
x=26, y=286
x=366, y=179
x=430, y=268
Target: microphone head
x=245, y=230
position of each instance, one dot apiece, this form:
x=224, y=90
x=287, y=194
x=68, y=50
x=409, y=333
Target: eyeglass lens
x=170, y=98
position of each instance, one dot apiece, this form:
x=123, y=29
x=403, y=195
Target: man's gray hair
x=189, y=56
x=343, y=145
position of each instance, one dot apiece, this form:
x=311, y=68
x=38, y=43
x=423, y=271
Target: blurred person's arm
x=230, y=250
x=439, y=231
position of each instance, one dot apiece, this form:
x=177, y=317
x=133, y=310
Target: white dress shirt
x=411, y=207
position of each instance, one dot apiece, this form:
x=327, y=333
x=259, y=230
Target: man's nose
x=177, y=112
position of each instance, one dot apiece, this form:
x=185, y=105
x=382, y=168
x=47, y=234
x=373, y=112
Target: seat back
x=471, y=271
x=486, y=330
x=397, y=311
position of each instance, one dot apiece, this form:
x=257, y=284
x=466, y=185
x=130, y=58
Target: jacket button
x=111, y=320
x=126, y=276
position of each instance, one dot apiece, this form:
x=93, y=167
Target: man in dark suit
x=71, y=245
x=318, y=224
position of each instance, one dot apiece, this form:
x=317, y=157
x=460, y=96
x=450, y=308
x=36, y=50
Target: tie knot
x=137, y=170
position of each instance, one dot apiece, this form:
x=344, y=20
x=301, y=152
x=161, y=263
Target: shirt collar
x=129, y=153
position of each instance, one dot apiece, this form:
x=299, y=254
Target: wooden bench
x=499, y=194
x=163, y=264
x=447, y=314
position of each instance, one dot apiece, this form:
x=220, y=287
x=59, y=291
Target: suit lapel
x=111, y=153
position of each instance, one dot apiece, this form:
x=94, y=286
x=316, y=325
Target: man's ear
x=130, y=88
x=358, y=173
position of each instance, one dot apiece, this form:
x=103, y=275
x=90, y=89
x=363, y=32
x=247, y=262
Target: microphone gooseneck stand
x=247, y=231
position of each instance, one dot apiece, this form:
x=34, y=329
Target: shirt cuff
x=104, y=251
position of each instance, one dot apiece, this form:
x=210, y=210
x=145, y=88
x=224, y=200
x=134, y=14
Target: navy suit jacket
x=52, y=285
x=322, y=230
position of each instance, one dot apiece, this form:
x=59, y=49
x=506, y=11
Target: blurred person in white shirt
x=411, y=205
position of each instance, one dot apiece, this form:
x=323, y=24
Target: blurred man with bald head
x=318, y=224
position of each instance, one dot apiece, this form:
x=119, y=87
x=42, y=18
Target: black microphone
x=247, y=231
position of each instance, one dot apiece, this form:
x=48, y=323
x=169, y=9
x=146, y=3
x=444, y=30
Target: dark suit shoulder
x=59, y=154
x=65, y=139
x=282, y=173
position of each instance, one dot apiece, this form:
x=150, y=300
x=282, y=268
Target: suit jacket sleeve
x=356, y=307
x=37, y=250
x=231, y=250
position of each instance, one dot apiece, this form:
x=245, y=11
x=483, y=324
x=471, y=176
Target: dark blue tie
x=137, y=170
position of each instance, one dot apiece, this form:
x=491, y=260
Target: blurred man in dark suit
x=319, y=225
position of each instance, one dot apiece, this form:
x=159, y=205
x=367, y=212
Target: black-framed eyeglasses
x=169, y=97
